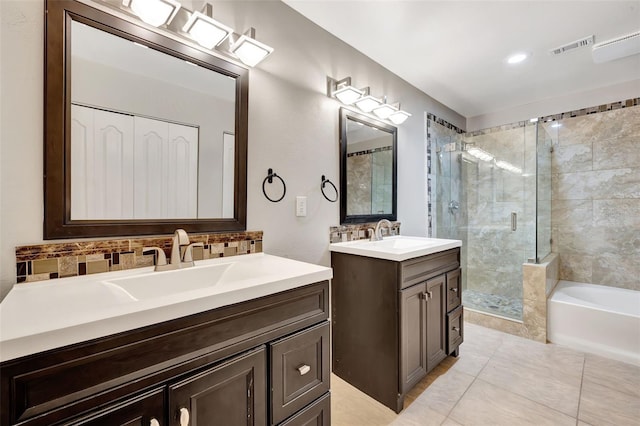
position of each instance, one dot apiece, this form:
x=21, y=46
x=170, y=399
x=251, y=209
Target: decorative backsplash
x=50, y=261
x=358, y=231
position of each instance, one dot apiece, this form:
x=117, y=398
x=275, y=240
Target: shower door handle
x=514, y=221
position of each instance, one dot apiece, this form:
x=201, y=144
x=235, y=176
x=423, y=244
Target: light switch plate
x=301, y=206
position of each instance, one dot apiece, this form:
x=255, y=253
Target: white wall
x=575, y=101
x=293, y=128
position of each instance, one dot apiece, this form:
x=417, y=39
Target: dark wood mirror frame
x=347, y=114
x=57, y=135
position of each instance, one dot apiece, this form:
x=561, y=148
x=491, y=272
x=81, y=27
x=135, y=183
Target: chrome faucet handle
x=161, y=258
x=188, y=254
x=372, y=234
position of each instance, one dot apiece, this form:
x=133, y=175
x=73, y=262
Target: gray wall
x=293, y=128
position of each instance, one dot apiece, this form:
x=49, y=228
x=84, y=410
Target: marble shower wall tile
x=596, y=197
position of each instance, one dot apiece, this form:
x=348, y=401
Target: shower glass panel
x=483, y=188
x=543, y=190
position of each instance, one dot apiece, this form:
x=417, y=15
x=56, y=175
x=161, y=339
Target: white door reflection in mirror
x=166, y=170
x=102, y=169
x=132, y=167
x=228, y=162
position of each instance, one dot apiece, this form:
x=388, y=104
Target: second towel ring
x=270, y=175
x=323, y=183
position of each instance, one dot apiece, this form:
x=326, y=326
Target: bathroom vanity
x=396, y=312
x=248, y=348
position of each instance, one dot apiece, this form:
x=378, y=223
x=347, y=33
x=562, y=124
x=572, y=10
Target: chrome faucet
x=178, y=260
x=376, y=234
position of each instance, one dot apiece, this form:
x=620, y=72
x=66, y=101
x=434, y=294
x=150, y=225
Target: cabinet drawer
x=139, y=410
x=299, y=371
x=416, y=270
x=318, y=414
x=455, y=329
x=453, y=289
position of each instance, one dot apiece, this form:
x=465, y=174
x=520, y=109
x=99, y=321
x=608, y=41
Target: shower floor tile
x=493, y=303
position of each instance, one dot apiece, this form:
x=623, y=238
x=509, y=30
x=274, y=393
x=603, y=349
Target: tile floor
x=500, y=379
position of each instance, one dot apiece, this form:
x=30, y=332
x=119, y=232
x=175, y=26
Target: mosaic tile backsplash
x=51, y=261
x=358, y=231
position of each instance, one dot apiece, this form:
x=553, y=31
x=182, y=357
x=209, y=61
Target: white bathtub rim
x=569, y=300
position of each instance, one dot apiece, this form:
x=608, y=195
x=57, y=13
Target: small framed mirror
x=368, y=168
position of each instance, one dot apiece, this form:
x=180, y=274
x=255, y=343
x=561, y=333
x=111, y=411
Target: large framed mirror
x=368, y=168
x=143, y=133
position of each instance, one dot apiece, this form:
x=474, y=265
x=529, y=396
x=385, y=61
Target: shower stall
x=492, y=190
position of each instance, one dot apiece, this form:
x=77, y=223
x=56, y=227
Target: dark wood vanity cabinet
x=264, y=361
x=392, y=321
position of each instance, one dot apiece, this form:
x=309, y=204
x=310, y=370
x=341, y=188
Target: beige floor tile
x=601, y=405
x=445, y=391
x=544, y=356
x=469, y=362
x=350, y=407
x=481, y=340
x=613, y=374
x=486, y=404
x=450, y=422
x=544, y=385
x=418, y=414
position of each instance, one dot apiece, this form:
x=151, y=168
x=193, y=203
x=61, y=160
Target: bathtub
x=597, y=319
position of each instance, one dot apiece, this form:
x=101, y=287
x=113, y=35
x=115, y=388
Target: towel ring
x=323, y=183
x=270, y=175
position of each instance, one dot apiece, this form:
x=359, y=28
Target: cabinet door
x=143, y=410
x=230, y=394
x=436, y=311
x=413, y=335
x=453, y=290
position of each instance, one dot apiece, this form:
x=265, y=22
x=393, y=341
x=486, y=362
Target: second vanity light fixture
x=202, y=28
x=361, y=98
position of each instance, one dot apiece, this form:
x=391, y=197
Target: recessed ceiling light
x=517, y=58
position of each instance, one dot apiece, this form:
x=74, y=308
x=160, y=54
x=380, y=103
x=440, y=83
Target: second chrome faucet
x=178, y=258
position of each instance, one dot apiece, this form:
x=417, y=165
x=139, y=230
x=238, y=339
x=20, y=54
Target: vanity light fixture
x=399, y=117
x=366, y=102
x=361, y=98
x=343, y=90
x=205, y=30
x=153, y=12
x=384, y=111
x=249, y=50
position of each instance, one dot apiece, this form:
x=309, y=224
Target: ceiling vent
x=583, y=42
x=616, y=48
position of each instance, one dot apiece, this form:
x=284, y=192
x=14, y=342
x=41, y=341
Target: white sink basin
x=396, y=248
x=154, y=284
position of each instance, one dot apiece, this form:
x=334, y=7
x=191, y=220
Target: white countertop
x=396, y=248
x=45, y=315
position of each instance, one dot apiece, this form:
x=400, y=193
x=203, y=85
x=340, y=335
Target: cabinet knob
x=454, y=289
x=456, y=329
x=154, y=422
x=304, y=369
x=184, y=417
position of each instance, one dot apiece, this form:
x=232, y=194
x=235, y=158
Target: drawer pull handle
x=454, y=289
x=304, y=369
x=184, y=417
x=154, y=422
